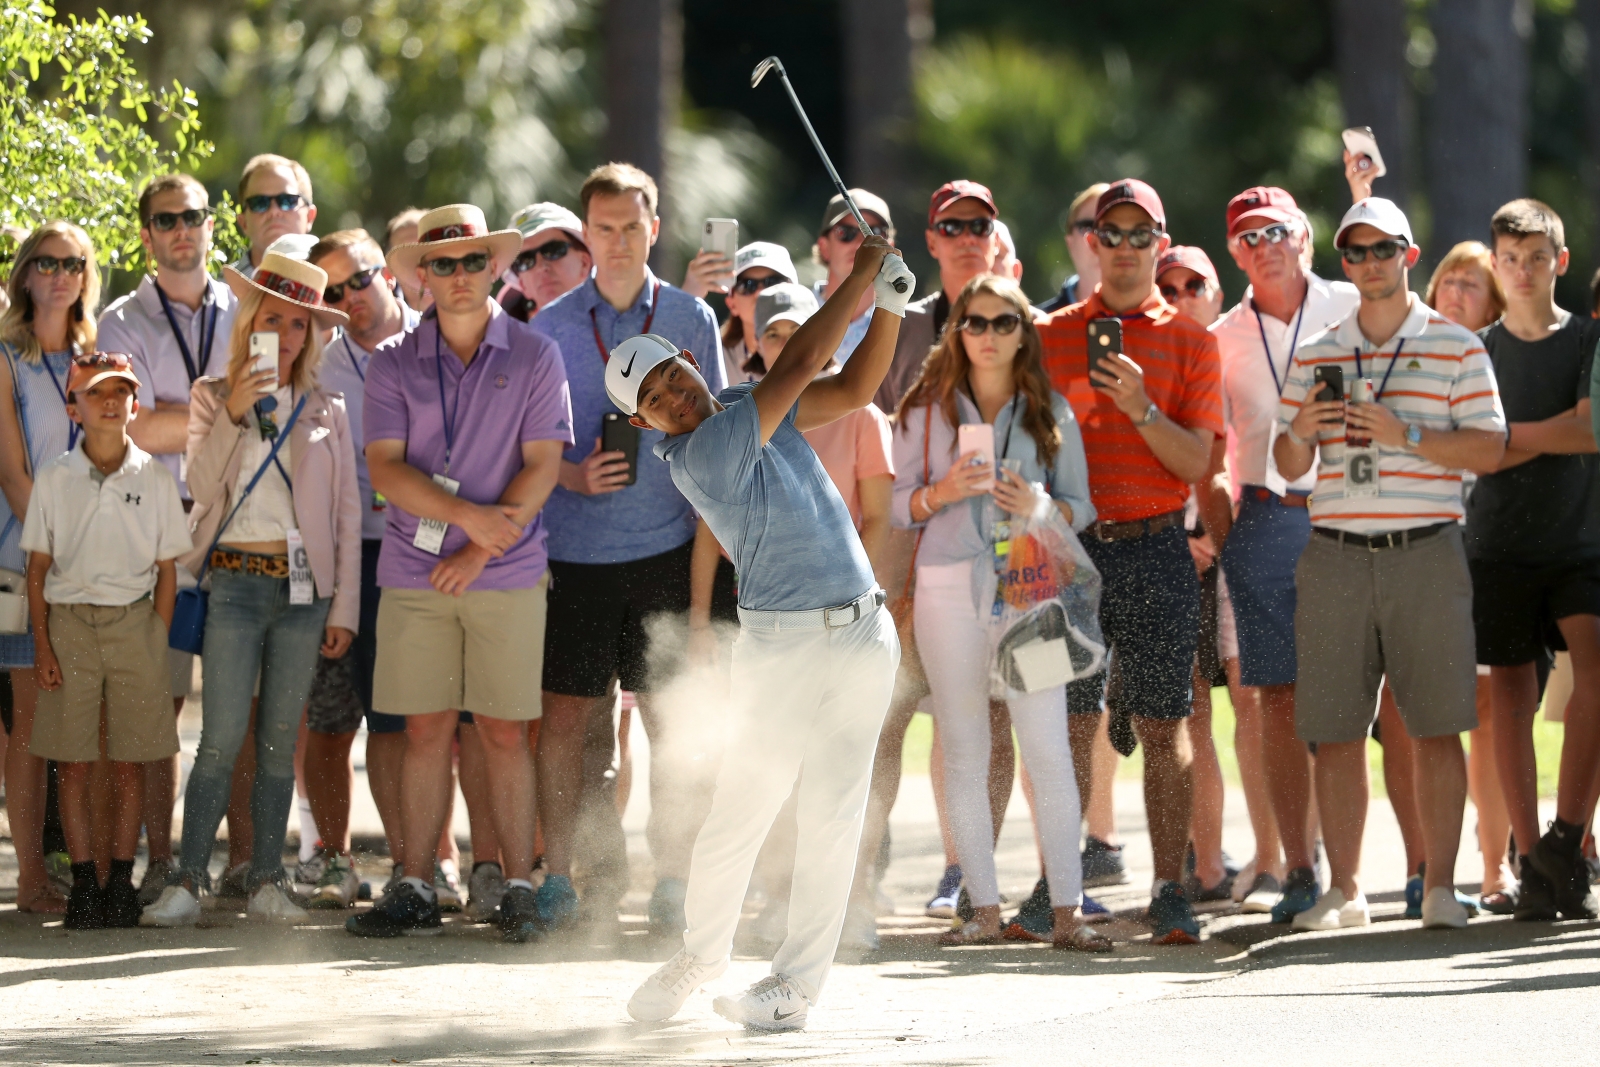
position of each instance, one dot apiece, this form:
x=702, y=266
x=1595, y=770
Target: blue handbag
x=188, y=630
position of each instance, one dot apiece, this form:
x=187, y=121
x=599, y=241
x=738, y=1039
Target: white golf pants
x=807, y=705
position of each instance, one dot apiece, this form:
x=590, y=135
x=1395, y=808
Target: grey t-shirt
x=773, y=507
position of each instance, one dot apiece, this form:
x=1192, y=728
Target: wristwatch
x=1413, y=436
x=1151, y=414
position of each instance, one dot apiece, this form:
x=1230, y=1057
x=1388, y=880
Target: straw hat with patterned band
x=453, y=226
x=294, y=280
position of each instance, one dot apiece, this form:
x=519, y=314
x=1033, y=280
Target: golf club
x=774, y=63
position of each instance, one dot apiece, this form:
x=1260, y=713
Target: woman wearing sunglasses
x=757, y=265
x=54, y=289
x=987, y=370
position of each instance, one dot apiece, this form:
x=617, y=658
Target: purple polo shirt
x=514, y=390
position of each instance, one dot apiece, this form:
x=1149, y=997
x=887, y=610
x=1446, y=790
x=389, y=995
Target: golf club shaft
x=816, y=142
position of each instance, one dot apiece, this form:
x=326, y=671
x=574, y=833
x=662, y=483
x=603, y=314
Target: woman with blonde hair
x=54, y=290
x=986, y=369
x=268, y=617
x=1464, y=288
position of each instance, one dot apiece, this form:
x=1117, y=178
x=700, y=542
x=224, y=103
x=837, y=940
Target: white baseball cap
x=784, y=302
x=765, y=254
x=630, y=362
x=1380, y=214
x=294, y=245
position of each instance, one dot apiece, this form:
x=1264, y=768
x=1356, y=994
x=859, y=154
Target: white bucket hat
x=294, y=280
x=449, y=227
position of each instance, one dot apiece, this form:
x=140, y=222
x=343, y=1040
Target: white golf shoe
x=1332, y=912
x=661, y=995
x=774, y=1003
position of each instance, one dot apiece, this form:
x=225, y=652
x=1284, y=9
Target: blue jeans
x=251, y=629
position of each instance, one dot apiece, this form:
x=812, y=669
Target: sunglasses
x=550, y=250
x=1277, y=233
x=358, y=281
x=48, y=266
x=848, y=233
x=1193, y=287
x=473, y=262
x=982, y=227
x=1003, y=325
x=1381, y=250
x=1082, y=226
x=748, y=285
x=282, y=201
x=1112, y=237
x=164, y=221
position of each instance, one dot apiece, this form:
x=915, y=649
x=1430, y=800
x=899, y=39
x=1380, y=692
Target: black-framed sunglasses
x=166, y=221
x=1381, y=250
x=979, y=227
x=550, y=251
x=1276, y=233
x=472, y=262
x=358, y=281
x=259, y=203
x=1192, y=287
x=48, y=266
x=848, y=233
x=750, y=284
x=1003, y=325
x=1142, y=237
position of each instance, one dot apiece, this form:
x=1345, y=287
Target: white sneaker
x=308, y=873
x=1442, y=911
x=176, y=906
x=487, y=885
x=447, y=884
x=1332, y=912
x=1260, y=895
x=661, y=995
x=774, y=1003
x=272, y=903
x=860, y=933
x=339, y=884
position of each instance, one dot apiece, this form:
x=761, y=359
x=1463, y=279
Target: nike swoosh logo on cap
x=778, y=1016
x=629, y=368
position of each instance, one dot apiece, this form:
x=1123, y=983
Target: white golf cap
x=784, y=302
x=294, y=245
x=765, y=254
x=630, y=362
x=1380, y=214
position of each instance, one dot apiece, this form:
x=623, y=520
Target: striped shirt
x=1433, y=373
x=1182, y=375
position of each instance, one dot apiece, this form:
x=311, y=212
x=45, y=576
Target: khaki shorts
x=180, y=672
x=481, y=652
x=118, y=654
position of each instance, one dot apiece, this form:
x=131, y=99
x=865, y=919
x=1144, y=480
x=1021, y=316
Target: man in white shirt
x=1284, y=305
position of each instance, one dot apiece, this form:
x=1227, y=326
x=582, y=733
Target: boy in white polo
x=105, y=523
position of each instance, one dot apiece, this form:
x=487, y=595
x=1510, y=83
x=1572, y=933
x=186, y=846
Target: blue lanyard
x=354, y=363
x=449, y=416
x=1392, y=361
x=73, y=428
x=1294, y=341
x=183, y=342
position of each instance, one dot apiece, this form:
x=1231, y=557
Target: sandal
x=1084, y=939
x=45, y=900
x=969, y=933
x=1502, y=903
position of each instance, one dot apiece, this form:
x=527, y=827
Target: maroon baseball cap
x=1264, y=202
x=1187, y=256
x=1132, y=191
x=961, y=189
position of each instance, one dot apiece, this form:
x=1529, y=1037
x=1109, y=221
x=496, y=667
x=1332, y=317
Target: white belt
x=817, y=618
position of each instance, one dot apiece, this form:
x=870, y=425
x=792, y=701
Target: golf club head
x=763, y=68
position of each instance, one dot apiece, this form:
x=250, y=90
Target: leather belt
x=227, y=559
x=817, y=618
x=1380, y=542
x=1127, y=531
x=1264, y=495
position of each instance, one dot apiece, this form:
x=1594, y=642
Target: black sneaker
x=1536, y=897
x=121, y=902
x=1563, y=867
x=403, y=912
x=518, y=916
x=85, y=907
x=1102, y=863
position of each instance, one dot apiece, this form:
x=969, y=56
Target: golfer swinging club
x=816, y=655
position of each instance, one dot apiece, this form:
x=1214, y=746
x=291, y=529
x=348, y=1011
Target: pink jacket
x=327, y=498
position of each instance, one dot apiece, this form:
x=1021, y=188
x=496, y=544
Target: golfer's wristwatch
x=1413, y=436
x=1151, y=414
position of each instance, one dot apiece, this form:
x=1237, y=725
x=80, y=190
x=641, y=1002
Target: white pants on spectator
x=955, y=652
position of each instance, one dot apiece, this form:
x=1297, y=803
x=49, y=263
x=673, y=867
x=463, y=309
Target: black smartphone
x=617, y=434
x=1105, y=344
x=1331, y=379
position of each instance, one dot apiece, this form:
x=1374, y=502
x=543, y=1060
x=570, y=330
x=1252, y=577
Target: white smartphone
x=978, y=437
x=720, y=236
x=1360, y=141
x=264, y=351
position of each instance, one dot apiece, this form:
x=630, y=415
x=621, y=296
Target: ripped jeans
x=251, y=630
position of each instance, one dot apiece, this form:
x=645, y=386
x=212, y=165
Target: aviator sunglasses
x=1112, y=237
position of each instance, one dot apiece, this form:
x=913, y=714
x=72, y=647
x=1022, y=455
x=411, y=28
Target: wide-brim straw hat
x=294, y=280
x=453, y=226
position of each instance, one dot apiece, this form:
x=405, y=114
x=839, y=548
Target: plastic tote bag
x=1045, y=620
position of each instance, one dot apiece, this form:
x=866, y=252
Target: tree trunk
x=880, y=40
x=1478, y=120
x=644, y=76
x=1370, y=54
x=1589, y=13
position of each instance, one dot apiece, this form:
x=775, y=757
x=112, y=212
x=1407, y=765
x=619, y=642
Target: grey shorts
x=1405, y=612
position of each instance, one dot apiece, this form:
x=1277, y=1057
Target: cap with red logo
x=1132, y=191
x=961, y=189
x=1263, y=202
x=1187, y=256
x=89, y=371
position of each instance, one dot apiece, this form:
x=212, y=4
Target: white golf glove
x=892, y=270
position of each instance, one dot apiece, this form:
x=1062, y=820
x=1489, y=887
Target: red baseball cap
x=1264, y=202
x=1187, y=256
x=961, y=189
x=1132, y=191
x=94, y=368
